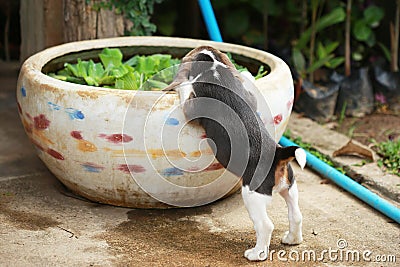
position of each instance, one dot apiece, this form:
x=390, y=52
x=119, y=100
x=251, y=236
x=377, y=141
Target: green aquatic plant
x=153, y=72
x=112, y=72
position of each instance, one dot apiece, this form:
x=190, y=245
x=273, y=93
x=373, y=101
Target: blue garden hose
x=324, y=169
x=210, y=20
x=348, y=184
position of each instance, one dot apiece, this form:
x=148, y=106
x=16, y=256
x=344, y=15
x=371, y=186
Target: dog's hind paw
x=256, y=254
x=290, y=239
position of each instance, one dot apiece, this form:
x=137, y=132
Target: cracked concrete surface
x=43, y=224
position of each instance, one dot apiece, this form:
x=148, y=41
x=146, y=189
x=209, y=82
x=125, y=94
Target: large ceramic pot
x=107, y=144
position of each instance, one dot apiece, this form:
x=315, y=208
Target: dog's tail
x=289, y=153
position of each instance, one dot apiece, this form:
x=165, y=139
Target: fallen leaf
x=352, y=148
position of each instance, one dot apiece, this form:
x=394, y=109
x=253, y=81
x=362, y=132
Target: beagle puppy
x=214, y=94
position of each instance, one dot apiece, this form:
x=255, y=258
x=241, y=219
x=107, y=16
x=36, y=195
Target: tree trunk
x=60, y=21
x=32, y=32
x=84, y=21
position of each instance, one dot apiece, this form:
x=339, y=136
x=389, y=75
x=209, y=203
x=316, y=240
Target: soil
x=378, y=126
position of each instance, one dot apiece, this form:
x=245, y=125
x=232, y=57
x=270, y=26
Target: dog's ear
x=286, y=154
x=181, y=76
x=183, y=71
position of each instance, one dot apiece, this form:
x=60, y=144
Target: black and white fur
x=193, y=81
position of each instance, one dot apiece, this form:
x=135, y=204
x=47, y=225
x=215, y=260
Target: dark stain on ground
x=170, y=238
x=173, y=238
x=27, y=220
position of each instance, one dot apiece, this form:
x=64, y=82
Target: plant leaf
x=299, y=61
x=111, y=57
x=334, y=62
x=337, y=15
x=386, y=51
x=371, y=41
x=331, y=46
x=132, y=61
x=361, y=31
x=95, y=73
x=319, y=63
x=373, y=15
x=321, y=51
x=155, y=84
x=130, y=81
x=261, y=72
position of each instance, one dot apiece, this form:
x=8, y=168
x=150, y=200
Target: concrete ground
x=43, y=224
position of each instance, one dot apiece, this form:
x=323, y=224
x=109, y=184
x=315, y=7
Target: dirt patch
x=27, y=220
x=378, y=126
x=171, y=238
x=174, y=238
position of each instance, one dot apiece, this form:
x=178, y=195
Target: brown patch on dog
x=281, y=172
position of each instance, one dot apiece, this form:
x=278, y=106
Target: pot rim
x=34, y=64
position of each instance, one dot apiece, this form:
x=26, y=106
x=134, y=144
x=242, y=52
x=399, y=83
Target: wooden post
x=46, y=23
x=32, y=35
x=84, y=21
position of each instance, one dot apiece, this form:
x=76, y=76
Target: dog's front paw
x=292, y=239
x=256, y=254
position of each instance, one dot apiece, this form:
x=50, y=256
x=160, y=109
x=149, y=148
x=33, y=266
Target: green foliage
x=364, y=21
x=260, y=73
x=137, y=11
x=112, y=72
x=335, y=16
x=326, y=52
x=152, y=72
x=305, y=57
x=386, y=52
x=362, y=163
x=237, y=66
x=243, y=20
x=390, y=153
x=362, y=29
x=325, y=57
x=363, y=24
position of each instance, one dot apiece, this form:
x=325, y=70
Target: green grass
x=389, y=152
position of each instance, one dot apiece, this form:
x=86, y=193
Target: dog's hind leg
x=294, y=235
x=256, y=205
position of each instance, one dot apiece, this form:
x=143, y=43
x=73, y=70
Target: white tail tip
x=301, y=157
